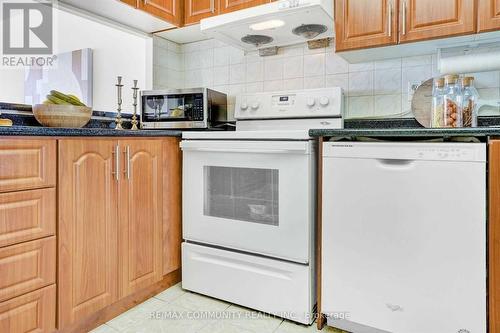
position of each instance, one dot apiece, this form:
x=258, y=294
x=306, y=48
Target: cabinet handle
x=116, y=154
x=212, y=6
x=404, y=18
x=389, y=19
x=127, y=156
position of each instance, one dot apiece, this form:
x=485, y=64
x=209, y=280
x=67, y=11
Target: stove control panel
x=310, y=103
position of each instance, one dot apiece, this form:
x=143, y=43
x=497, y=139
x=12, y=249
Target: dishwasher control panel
x=446, y=153
x=473, y=152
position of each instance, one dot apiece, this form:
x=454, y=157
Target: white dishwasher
x=404, y=237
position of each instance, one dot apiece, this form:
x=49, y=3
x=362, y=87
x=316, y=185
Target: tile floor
x=172, y=311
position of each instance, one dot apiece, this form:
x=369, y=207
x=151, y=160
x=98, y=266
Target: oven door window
x=242, y=194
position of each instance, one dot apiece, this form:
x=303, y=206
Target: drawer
x=33, y=312
x=26, y=267
x=27, y=215
x=27, y=164
x=245, y=279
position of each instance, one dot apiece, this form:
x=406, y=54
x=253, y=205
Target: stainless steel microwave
x=183, y=108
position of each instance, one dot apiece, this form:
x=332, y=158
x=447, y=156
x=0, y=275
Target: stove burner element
x=309, y=31
x=257, y=40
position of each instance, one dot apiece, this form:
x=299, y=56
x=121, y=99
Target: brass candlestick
x=118, y=119
x=134, y=116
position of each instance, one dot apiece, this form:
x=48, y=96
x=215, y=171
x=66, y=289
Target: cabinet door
x=32, y=312
x=195, y=10
x=140, y=211
x=365, y=23
x=488, y=15
x=227, y=6
x=169, y=10
x=428, y=19
x=132, y=3
x=494, y=236
x=172, y=205
x=87, y=229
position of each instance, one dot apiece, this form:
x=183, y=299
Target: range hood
x=279, y=23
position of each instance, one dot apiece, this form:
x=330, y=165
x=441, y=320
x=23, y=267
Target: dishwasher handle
x=395, y=163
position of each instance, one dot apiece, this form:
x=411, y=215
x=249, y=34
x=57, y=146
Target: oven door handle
x=247, y=151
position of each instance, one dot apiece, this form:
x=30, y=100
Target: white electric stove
x=249, y=203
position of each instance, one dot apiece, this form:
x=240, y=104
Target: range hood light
x=267, y=25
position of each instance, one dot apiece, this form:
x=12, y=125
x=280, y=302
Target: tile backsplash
x=376, y=89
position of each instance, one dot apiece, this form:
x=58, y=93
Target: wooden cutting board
x=421, y=103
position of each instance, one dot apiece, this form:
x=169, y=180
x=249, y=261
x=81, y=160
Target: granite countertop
x=407, y=132
x=51, y=131
x=408, y=127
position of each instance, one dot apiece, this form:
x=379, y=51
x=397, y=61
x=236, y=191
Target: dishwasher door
x=404, y=237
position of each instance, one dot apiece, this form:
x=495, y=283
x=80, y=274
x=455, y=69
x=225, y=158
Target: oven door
x=253, y=196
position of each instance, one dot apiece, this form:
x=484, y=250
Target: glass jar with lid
x=437, y=103
x=469, y=102
x=452, y=115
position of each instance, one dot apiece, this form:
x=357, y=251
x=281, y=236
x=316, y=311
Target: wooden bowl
x=57, y=115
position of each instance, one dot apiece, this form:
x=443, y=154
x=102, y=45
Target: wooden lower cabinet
x=32, y=312
x=112, y=220
x=26, y=267
x=88, y=229
x=494, y=236
x=140, y=201
x=27, y=215
x=172, y=205
x=27, y=163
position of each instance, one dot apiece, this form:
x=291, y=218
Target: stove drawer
x=268, y=285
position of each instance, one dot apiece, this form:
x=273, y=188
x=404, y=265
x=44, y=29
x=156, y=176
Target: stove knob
x=324, y=101
x=255, y=105
x=310, y=102
x=244, y=106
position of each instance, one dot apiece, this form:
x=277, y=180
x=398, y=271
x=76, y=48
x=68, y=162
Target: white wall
x=373, y=89
x=115, y=52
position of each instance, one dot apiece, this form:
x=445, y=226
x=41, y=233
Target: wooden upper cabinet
x=429, y=19
x=140, y=226
x=87, y=228
x=27, y=164
x=195, y=10
x=169, y=10
x=227, y=6
x=488, y=15
x=132, y=3
x=365, y=23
